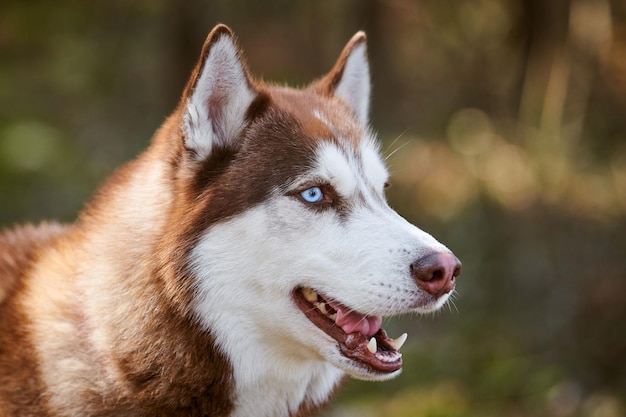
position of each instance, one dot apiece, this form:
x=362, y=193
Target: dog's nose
x=435, y=273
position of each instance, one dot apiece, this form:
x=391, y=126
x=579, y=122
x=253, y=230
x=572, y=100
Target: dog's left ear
x=217, y=96
x=349, y=78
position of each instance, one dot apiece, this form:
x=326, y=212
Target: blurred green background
x=504, y=126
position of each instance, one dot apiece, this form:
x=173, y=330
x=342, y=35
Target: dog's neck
x=283, y=389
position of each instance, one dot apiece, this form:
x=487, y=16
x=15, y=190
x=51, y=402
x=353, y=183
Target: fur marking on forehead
x=320, y=117
x=341, y=123
x=335, y=166
x=373, y=166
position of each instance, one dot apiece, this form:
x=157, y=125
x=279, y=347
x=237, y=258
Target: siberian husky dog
x=241, y=266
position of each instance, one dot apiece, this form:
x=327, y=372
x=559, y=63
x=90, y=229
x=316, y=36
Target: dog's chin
x=356, y=343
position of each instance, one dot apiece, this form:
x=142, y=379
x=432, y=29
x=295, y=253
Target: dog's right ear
x=217, y=95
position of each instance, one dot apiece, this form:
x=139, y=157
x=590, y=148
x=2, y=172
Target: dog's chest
x=284, y=390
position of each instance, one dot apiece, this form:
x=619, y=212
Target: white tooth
x=322, y=307
x=333, y=317
x=372, y=346
x=309, y=295
x=397, y=343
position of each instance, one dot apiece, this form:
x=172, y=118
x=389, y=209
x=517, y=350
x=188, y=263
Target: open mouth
x=360, y=337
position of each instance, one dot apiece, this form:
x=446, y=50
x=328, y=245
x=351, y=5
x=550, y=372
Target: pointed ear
x=350, y=78
x=217, y=95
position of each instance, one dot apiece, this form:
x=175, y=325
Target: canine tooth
x=322, y=308
x=397, y=343
x=333, y=317
x=372, y=345
x=309, y=295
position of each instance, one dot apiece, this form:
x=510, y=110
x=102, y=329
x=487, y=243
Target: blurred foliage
x=503, y=124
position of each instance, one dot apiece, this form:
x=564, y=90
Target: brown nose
x=435, y=273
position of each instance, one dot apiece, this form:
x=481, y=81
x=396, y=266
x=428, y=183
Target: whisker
x=450, y=302
x=397, y=139
x=399, y=148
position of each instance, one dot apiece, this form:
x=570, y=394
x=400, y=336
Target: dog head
x=294, y=252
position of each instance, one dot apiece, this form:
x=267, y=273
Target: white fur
x=333, y=159
x=272, y=370
x=244, y=288
x=354, y=86
x=223, y=80
x=376, y=172
x=335, y=169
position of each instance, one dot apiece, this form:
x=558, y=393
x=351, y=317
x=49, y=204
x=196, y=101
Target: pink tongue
x=352, y=322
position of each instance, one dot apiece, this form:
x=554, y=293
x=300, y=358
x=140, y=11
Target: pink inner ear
x=220, y=99
x=215, y=108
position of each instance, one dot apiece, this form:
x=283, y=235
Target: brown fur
x=19, y=380
x=95, y=318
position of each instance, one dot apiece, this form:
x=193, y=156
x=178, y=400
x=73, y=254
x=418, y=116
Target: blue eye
x=312, y=195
